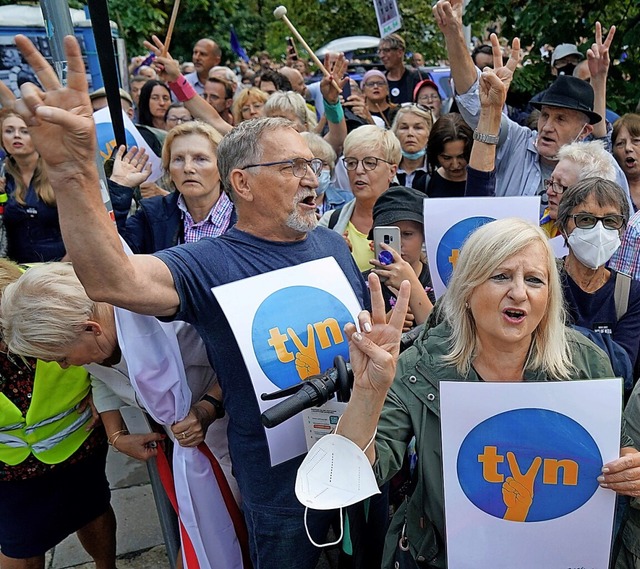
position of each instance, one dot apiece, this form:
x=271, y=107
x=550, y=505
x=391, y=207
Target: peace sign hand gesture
x=517, y=490
x=59, y=118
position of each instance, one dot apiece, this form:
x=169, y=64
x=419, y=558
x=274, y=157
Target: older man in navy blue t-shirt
x=267, y=168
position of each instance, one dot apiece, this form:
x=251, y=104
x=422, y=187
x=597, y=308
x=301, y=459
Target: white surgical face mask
x=324, y=178
x=578, y=135
x=336, y=473
x=594, y=247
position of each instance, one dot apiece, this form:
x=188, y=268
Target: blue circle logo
x=451, y=243
x=297, y=332
x=529, y=465
x=107, y=141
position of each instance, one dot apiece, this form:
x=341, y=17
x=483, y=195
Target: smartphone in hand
x=387, y=234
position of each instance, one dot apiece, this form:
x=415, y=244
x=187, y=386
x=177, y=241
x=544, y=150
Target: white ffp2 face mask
x=594, y=247
x=336, y=473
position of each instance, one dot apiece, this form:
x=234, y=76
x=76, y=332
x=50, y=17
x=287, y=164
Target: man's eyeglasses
x=368, y=163
x=557, y=187
x=298, y=166
x=374, y=84
x=382, y=50
x=588, y=221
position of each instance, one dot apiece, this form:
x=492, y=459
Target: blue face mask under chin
x=414, y=155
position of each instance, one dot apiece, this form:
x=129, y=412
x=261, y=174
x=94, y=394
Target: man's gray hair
x=244, y=145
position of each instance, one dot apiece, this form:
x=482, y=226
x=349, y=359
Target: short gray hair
x=243, y=146
x=44, y=312
x=605, y=192
x=592, y=159
x=290, y=102
x=370, y=137
x=484, y=250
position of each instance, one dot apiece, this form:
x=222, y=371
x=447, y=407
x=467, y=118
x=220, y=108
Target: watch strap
x=486, y=138
x=217, y=405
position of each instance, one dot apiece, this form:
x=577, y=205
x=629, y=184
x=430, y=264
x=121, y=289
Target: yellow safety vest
x=52, y=429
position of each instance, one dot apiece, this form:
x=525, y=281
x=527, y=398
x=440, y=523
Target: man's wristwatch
x=217, y=405
x=486, y=138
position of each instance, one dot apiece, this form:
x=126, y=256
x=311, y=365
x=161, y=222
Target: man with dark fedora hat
x=570, y=110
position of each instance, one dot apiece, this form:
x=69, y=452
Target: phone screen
x=346, y=90
x=292, y=53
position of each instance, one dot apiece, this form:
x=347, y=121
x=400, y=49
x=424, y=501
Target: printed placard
x=107, y=140
x=289, y=325
x=521, y=462
x=388, y=16
x=449, y=221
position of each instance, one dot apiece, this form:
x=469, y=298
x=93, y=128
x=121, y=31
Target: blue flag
x=236, y=47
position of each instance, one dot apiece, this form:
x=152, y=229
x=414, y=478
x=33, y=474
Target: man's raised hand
x=59, y=118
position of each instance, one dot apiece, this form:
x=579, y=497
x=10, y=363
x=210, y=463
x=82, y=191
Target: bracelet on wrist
x=182, y=89
x=113, y=437
x=217, y=405
x=485, y=137
x=333, y=111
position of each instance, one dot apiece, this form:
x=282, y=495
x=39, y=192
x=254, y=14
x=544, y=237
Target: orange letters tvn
x=306, y=357
x=517, y=489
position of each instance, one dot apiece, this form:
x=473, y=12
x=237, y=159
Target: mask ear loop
x=336, y=542
x=306, y=527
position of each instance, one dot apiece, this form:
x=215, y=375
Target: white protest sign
x=520, y=463
x=449, y=221
x=107, y=141
x=388, y=16
x=289, y=325
x=559, y=246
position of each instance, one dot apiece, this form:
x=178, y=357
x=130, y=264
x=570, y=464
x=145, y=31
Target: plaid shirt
x=627, y=258
x=214, y=225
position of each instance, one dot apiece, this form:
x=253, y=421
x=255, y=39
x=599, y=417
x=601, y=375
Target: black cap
x=568, y=92
x=398, y=203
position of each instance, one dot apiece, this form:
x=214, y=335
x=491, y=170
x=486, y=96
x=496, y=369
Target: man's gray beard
x=302, y=223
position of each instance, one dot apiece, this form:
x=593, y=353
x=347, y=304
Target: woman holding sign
x=502, y=320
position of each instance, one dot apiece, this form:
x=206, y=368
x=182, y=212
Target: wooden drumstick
x=280, y=13
x=172, y=23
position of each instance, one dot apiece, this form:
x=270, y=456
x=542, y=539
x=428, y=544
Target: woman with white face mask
x=592, y=216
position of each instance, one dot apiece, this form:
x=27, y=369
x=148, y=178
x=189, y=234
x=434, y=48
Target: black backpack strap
x=333, y=218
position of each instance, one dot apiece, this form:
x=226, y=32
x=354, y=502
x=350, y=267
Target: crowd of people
x=264, y=168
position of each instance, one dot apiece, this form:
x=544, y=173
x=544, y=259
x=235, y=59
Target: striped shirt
x=214, y=225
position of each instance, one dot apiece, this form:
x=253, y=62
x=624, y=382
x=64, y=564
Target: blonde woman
x=30, y=212
x=503, y=321
x=412, y=126
x=248, y=104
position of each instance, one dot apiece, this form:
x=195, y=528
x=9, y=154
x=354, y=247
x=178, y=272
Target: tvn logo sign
x=529, y=465
x=297, y=332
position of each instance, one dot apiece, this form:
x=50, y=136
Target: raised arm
x=598, y=60
x=337, y=66
x=168, y=71
x=61, y=126
x=373, y=356
x=448, y=15
x=492, y=90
